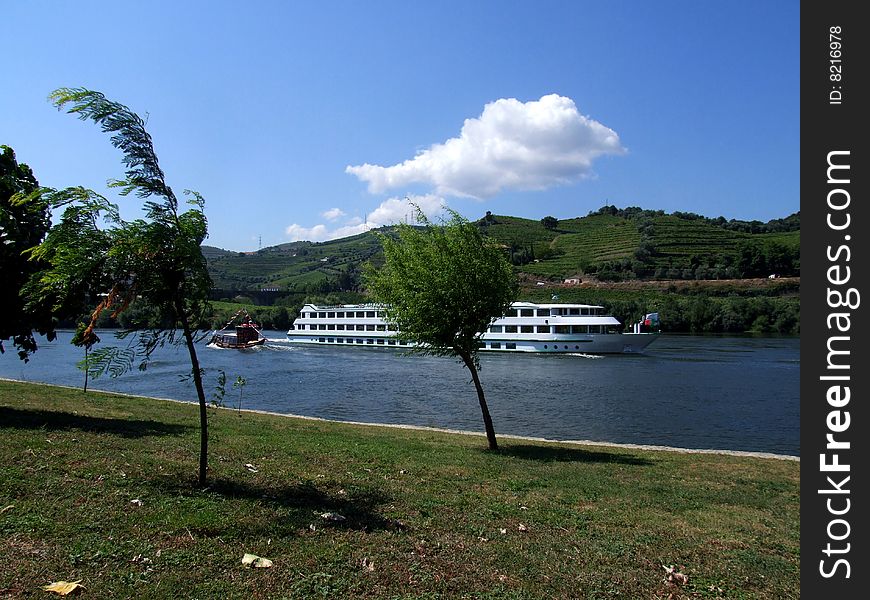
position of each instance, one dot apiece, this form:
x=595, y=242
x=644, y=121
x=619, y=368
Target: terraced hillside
x=297, y=266
x=571, y=248
x=612, y=244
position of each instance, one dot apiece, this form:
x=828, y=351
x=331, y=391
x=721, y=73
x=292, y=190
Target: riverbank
x=426, y=513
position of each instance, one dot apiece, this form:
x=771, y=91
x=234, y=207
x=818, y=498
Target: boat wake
x=277, y=346
x=582, y=355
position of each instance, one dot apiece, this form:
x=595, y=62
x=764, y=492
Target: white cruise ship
x=527, y=327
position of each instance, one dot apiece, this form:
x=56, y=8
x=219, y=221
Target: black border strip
x=835, y=224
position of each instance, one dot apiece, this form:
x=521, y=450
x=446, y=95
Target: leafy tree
x=550, y=222
x=93, y=253
x=442, y=285
x=24, y=221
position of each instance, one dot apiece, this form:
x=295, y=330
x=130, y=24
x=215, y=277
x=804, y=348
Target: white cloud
x=314, y=234
x=332, y=214
x=399, y=210
x=511, y=145
x=389, y=212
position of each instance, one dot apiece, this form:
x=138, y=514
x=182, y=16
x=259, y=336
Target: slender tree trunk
x=200, y=392
x=87, y=369
x=487, y=419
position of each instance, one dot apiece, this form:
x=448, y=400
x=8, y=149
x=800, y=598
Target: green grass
x=428, y=514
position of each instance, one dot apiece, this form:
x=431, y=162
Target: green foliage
x=550, y=222
x=695, y=309
x=239, y=384
x=24, y=221
x=93, y=254
x=442, y=286
x=220, y=390
x=92, y=250
x=111, y=359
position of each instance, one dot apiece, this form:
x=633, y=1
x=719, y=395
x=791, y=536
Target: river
x=727, y=393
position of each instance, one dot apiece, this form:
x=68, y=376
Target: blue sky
x=311, y=120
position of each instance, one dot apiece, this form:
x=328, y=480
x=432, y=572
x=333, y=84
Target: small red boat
x=247, y=333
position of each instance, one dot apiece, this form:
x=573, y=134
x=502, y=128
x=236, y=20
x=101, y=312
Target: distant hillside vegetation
x=610, y=244
x=614, y=244
x=295, y=267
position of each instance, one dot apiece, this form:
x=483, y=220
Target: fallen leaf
x=258, y=562
x=5, y=508
x=333, y=516
x=251, y=468
x=674, y=576
x=368, y=564
x=502, y=531
x=63, y=588
x=136, y=502
x=522, y=527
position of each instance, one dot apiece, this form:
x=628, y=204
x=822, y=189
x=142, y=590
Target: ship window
x=321, y=339
x=495, y=345
x=330, y=315
x=545, y=346
x=527, y=312
x=370, y=341
x=321, y=315
x=340, y=327
x=510, y=346
x=527, y=329
x=511, y=313
x=360, y=327
x=403, y=343
x=580, y=329
x=331, y=327
x=321, y=327
x=543, y=329
x=370, y=314
x=359, y=341
x=576, y=347
x=381, y=342
x=330, y=340
x=370, y=327
x=307, y=315
x=543, y=312
x=584, y=311
x=595, y=329
x=340, y=315
x=510, y=328
x=563, y=329
x=573, y=311
x=495, y=328
x=391, y=342
x=360, y=315
x=381, y=327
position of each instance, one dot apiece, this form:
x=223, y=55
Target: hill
x=610, y=244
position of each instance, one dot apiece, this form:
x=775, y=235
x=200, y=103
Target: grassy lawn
x=425, y=514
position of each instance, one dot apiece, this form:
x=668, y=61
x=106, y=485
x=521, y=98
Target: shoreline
x=742, y=453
